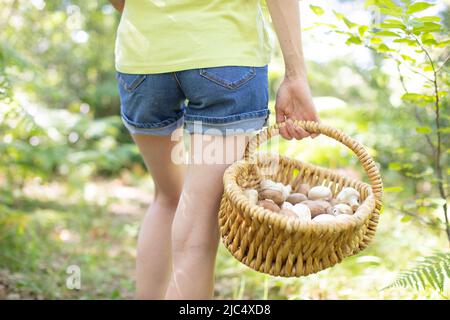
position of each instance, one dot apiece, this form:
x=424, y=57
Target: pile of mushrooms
x=307, y=203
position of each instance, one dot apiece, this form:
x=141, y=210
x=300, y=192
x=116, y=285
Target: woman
x=214, y=55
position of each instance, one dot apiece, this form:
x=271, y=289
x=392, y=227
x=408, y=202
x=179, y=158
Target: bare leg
x=153, y=267
x=195, y=227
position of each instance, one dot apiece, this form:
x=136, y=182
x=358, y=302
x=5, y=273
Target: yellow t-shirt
x=156, y=36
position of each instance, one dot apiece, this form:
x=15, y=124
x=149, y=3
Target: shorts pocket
x=230, y=77
x=130, y=82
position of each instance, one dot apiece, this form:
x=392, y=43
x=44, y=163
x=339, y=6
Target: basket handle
x=364, y=158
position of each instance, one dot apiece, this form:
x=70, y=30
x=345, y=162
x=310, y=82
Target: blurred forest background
x=73, y=188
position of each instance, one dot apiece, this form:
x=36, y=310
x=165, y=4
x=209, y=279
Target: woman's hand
x=294, y=102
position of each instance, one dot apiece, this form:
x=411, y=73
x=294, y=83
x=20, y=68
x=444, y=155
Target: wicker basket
x=271, y=243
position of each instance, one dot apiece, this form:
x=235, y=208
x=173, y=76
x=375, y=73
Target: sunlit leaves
x=418, y=6
x=354, y=40
x=424, y=130
x=393, y=24
x=427, y=27
x=317, y=10
x=395, y=166
x=393, y=189
x=362, y=30
x=386, y=33
x=418, y=99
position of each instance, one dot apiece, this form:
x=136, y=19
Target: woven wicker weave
x=271, y=243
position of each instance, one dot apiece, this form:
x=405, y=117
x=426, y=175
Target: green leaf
x=444, y=130
x=317, y=10
x=427, y=27
x=428, y=39
x=338, y=15
x=424, y=130
x=395, y=166
x=353, y=40
x=407, y=58
x=393, y=24
x=443, y=44
x=405, y=218
x=362, y=30
x=429, y=19
x=383, y=48
x=328, y=25
x=387, y=33
x=418, y=6
x=428, y=68
x=409, y=42
x=417, y=98
x=393, y=189
x=376, y=40
x=429, y=271
x=348, y=23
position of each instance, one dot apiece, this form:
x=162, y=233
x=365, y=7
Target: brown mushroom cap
x=269, y=205
x=297, y=197
x=274, y=195
x=316, y=207
x=304, y=188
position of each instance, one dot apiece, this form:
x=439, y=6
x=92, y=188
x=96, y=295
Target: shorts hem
x=244, y=126
x=154, y=131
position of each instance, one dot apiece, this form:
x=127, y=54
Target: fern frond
x=430, y=271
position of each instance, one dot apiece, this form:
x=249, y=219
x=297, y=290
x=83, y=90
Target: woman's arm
x=294, y=100
x=118, y=4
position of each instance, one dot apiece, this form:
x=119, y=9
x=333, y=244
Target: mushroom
x=288, y=213
x=349, y=196
x=287, y=205
x=302, y=211
x=304, y=188
x=295, y=198
x=316, y=207
x=319, y=193
x=324, y=218
x=286, y=190
x=274, y=195
x=252, y=195
x=344, y=217
x=340, y=209
x=269, y=205
x=268, y=184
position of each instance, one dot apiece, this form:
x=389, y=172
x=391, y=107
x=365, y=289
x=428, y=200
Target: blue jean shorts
x=216, y=101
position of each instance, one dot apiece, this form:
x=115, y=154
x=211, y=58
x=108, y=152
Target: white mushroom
x=341, y=208
x=324, y=218
x=252, y=195
x=268, y=184
x=320, y=193
x=349, y=196
x=344, y=217
x=286, y=190
x=275, y=186
x=302, y=212
x=287, y=205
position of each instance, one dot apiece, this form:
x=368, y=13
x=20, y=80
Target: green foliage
x=418, y=44
x=431, y=271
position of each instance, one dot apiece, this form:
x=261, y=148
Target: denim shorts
x=216, y=101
